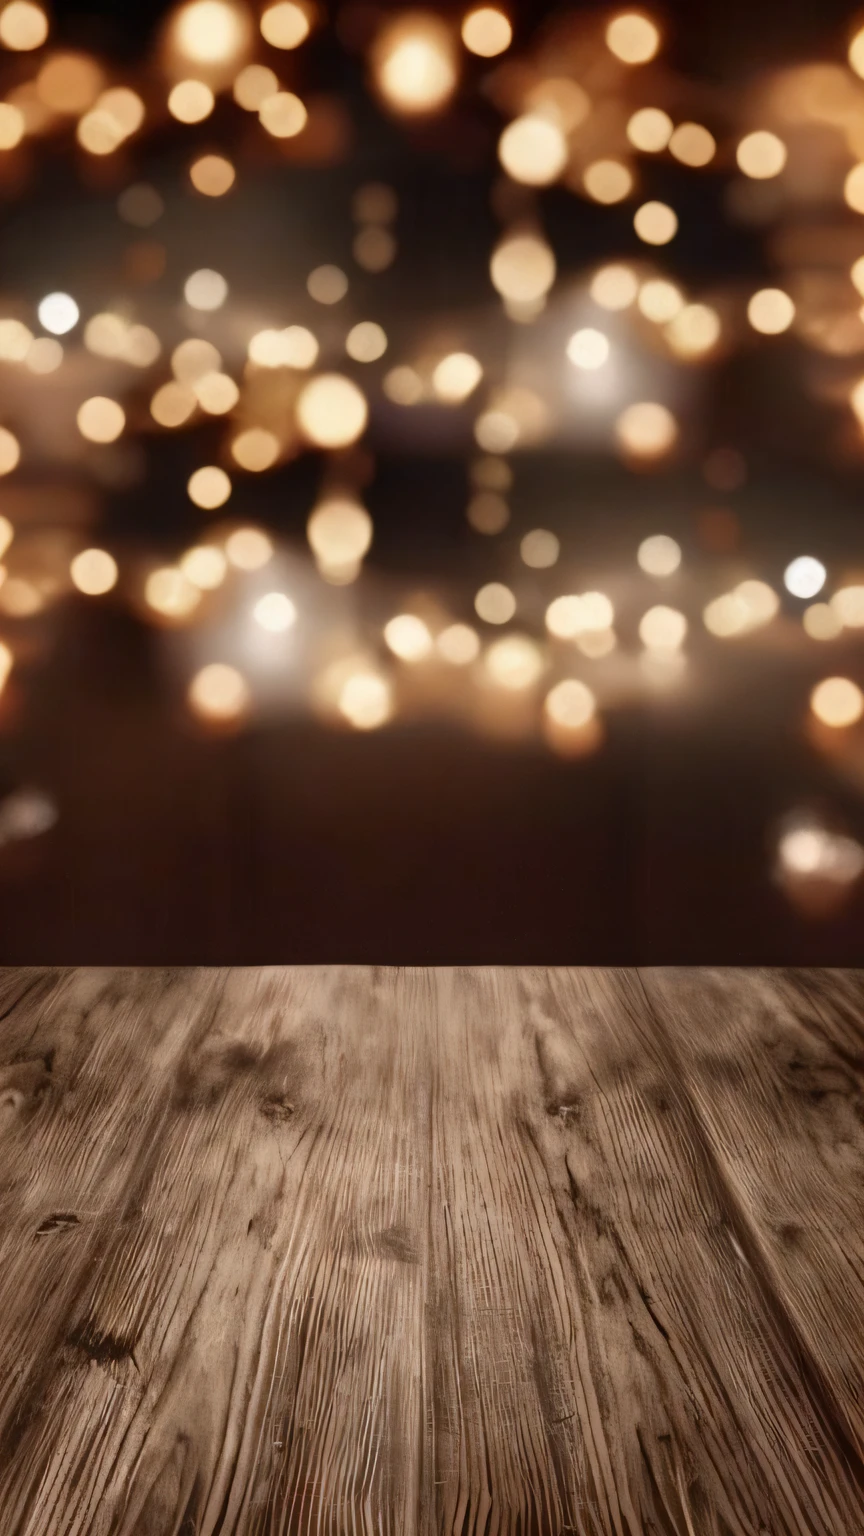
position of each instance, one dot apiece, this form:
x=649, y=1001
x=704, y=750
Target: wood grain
x=355, y=1250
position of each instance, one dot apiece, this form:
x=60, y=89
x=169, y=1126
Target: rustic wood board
x=477, y=1252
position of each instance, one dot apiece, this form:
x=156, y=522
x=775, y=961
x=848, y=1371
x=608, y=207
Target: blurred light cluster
x=607, y=360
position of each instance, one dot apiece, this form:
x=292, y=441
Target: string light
x=837, y=702
x=23, y=26
x=633, y=38
x=414, y=63
x=285, y=25
x=94, y=572
x=332, y=411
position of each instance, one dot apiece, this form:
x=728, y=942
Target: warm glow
x=692, y=144
x=210, y=31
x=216, y=393
x=366, y=701
x=248, y=549
x=327, y=285
x=662, y=629
x=403, y=385
x=750, y=606
x=761, y=155
x=253, y=85
x=295, y=347
x=495, y=603
x=69, y=83
x=99, y=133
x=16, y=340
x=414, y=62
x=856, y=53
x=23, y=26
x=694, y=331
x=6, y=660
x=588, y=349
x=94, y=572
x=523, y=268
x=487, y=32
x=212, y=175
x=332, y=411
x=533, y=150
x=570, y=704
x=209, y=487
x=571, y=616
x=275, y=612
x=11, y=125
x=170, y=593
x=563, y=100
x=607, y=181
x=285, y=25
x=632, y=38
x=650, y=129
x=848, y=604
x=659, y=555
x=660, y=300
x=655, y=223
x=646, y=429
x=514, y=662
x=10, y=451
x=456, y=377
x=770, y=311
x=205, y=289
x=488, y=512
x=191, y=101
x=339, y=533
x=194, y=358
x=101, y=420
x=366, y=342
x=496, y=431
x=205, y=566
x=173, y=404
x=7, y=534
x=614, y=287
x=540, y=549
x=58, y=313
x=805, y=576
x=283, y=115
x=459, y=645
x=837, y=702
x=256, y=449
x=408, y=637
x=219, y=693
x=44, y=355
x=821, y=622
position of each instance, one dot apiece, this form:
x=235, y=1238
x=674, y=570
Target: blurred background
x=432, y=453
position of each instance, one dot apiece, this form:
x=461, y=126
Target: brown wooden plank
x=361, y=1251
x=775, y=1068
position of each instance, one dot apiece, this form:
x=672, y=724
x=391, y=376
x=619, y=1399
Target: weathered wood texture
x=411, y=1252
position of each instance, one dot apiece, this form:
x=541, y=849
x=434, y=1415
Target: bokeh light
x=533, y=150
x=761, y=155
x=332, y=411
x=209, y=487
x=632, y=37
x=456, y=377
x=588, y=349
x=408, y=637
x=414, y=63
x=100, y=419
x=23, y=26
x=659, y=555
x=646, y=430
x=285, y=24
x=655, y=223
x=94, y=572
x=805, y=576
x=495, y=603
x=487, y=32
x=219, y=693
x=514, y=662
x=837, y=702
x=770, y=311
x=275, y=612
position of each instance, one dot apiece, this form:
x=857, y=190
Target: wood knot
x=277, y=1107
x=61, y=1221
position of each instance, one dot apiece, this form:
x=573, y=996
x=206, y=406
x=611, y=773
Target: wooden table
x=471, y=1252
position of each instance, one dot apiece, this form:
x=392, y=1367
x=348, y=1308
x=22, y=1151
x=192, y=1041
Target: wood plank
x=350, y=1250
x=775, y=1068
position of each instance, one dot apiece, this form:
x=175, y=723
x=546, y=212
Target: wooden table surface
x=410, y=1251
